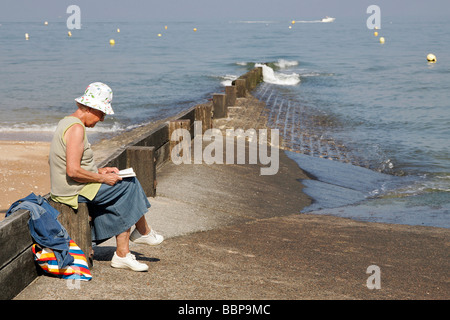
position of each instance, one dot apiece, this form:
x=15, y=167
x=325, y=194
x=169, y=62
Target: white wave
x=308, y=21
x=437, y=183
x=103, y=128
x=324, y=20
x=228, y=79
x=283, y=64
x=26, y=127
x=241, y=63
x=273, y=77
x=420, y=185
x=45, y=127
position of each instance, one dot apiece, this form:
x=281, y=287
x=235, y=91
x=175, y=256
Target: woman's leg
x=122, y=243
x=144, y=234
x=123, y=258
x=142, y=226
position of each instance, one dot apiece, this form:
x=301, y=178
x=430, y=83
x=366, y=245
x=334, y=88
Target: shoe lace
x=132, y=256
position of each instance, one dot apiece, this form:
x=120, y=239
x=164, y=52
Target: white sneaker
x=128, y=262
x=151, y=239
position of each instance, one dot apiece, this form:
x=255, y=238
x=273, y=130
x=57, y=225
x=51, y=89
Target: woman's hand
x=109, y=175
x=108, y=170
x=110, y=178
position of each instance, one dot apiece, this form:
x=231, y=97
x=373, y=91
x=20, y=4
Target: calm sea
x=385, y=103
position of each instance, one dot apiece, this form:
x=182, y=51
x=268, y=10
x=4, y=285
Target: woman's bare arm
x=74, y=137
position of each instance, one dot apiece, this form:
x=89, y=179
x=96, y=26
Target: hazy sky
x=125, y=10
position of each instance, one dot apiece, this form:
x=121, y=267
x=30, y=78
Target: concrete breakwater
x=303, y=130
x=145, y=149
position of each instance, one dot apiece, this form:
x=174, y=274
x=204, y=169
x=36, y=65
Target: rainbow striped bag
x=78, y=270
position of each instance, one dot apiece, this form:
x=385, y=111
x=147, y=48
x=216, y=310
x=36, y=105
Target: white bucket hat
x=97, y=96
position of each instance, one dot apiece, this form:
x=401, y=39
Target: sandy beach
x=23, y=169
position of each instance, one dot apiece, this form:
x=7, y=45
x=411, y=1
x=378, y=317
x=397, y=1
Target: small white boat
x=328, y=19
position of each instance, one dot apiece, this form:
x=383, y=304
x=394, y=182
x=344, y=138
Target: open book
x=126, y=173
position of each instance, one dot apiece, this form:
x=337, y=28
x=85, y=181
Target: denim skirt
x=116, y=208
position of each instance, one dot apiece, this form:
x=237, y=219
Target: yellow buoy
x=112, y=42
x=195, y=29
x=431, y=58
x=375, y=34
x=159, y=34
x=69, y=33
x=165, y=27
x=382, y=40
x=26, y=36
x=293, y=22
x=118, y=30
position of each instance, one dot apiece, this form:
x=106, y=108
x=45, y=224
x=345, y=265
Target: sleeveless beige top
x=63, y=188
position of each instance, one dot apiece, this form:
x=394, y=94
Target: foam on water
x=270, y=76
x=284, y=64
x=228, y=79
x=45, y=127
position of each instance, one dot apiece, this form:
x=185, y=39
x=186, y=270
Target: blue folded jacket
x=44, y=227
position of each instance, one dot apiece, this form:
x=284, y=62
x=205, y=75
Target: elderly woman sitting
x=117, y=203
